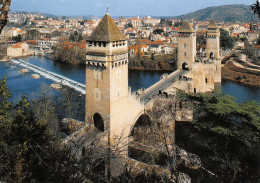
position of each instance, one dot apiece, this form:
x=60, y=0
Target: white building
x=17, y=50
x=135, y=22
x=148, y=20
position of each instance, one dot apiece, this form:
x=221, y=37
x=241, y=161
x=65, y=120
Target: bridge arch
x=143, y=120
x=98, y=122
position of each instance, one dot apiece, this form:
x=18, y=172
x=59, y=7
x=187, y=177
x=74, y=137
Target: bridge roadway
x=160, y=85
x=53, y=76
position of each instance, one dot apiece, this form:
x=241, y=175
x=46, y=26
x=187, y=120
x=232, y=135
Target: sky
x=119, y=7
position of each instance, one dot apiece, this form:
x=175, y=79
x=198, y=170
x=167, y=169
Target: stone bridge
x=161, y=85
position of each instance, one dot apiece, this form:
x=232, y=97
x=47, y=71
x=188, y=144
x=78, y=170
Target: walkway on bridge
x=161, y=85
x=53, y=76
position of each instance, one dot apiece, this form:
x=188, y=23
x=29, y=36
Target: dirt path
x=241, y=66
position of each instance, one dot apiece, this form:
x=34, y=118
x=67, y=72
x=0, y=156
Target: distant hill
x=227, y=13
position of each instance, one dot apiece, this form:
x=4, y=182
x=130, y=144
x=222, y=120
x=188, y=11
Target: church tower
x=106, y=73
x=213, y=40
x=186, y=47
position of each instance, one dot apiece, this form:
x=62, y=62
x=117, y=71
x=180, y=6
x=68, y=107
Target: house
x=17, y=50
x=168, y=49
x=240, y=45
x=46, y=44
x=31, y=43
x=133, y=50
x=155, y=48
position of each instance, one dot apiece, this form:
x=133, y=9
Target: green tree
x=5, y=94
x=17, y=38
x=225, y=135
x=226, y=41
x=158, y=31
x=28, y=153
x=152, y=56
x=129, y=24
x=75, y=37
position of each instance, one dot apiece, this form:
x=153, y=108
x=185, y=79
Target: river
x=20, y=83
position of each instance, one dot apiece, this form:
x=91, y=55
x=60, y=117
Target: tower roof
x=186, y=27
x=107, y=31
x=213, y=24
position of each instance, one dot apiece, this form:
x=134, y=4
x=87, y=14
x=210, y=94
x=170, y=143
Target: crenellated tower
x=213, y=40
x=110, y=107
x=106, y=73
x=186, y=47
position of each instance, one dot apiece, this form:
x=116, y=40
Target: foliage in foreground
x=225, y=135
x=31, y=151
x=28, y=151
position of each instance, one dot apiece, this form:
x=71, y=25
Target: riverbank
x=5, y=59
x=234, y=73
x=158, y=63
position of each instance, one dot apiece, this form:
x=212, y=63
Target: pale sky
x=119, y=7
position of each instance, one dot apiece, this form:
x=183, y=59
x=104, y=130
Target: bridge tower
x=213, y=40
x=186, y=47
x=106, y=73
x=107, y=79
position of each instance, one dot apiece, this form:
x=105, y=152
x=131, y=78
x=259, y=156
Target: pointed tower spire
x=213, y=24
x=186, y=27
x=107, y=31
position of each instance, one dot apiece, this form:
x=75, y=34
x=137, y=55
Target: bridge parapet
x=161, y=85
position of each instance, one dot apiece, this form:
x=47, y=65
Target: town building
x=17, y=50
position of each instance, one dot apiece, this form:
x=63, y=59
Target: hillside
x=227, y=13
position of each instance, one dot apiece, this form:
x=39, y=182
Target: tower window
x=90, y=43
x=95, y=43
x=104, y=44
x=206, y=80
x=195, y=90
x=185, y=54
x=184, y=45
x=99, y=44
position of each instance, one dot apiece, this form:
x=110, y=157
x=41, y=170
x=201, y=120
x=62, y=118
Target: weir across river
x=52, y=76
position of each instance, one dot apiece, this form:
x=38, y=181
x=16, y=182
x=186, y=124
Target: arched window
x=98, y=122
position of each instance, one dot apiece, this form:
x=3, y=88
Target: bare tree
x=5, y=8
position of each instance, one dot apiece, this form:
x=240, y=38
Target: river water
x=20, y=83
